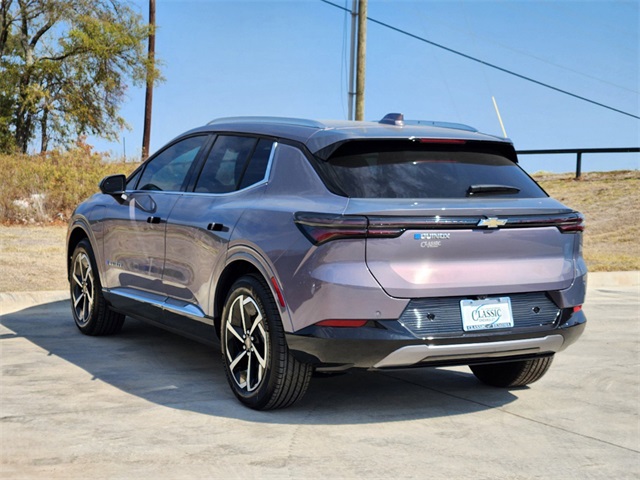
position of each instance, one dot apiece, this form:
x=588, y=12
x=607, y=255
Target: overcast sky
x=289, y=58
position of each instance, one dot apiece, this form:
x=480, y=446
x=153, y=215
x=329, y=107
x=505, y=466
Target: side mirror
x=113, y=184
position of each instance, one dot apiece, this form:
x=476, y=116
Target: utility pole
x=148, y=99
x=362, y=52
x=352, y=56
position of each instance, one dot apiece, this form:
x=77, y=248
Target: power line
x=530, y=55
x=504, y=70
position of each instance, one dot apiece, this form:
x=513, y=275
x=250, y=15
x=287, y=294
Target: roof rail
x=302, y=122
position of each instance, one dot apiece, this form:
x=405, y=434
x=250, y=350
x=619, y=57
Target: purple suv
x=307, y=246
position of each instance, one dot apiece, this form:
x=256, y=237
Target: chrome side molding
x=168, y=304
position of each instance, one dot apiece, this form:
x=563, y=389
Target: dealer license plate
x=486, y=314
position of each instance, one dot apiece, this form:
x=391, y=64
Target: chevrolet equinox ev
x=305, y=246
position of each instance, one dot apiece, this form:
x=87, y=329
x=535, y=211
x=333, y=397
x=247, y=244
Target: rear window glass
x=406, y=169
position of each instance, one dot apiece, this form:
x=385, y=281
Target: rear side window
x=234, y=163
x=407, y=169
x=257, y=168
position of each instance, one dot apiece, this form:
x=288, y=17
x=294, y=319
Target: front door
x=135, y=226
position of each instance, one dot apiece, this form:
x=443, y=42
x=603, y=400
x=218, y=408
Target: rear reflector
x=342, y=323
x=577, y=308
x=276, y=287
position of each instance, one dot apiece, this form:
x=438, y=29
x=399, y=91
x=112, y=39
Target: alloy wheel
x=246, y=343
x=82, y=292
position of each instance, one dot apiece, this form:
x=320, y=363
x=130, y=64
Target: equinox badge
x=491, y=222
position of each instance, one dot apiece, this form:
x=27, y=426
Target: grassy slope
x=45, y=188
x=32, y=257
x=611, y=203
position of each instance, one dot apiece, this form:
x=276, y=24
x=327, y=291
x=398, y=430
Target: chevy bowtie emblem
x=491, y=222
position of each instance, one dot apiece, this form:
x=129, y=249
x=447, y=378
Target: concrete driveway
x=148, y=404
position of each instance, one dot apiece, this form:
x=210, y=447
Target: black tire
x=512, y=374
x=260, y=370
x=90, y=310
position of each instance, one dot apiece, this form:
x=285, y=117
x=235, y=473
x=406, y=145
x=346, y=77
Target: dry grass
x=611, y=203
x=37, y=195
x=41, y=189
x=32, y=257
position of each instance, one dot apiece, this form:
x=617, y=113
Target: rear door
x=457, y=218
x=202, y=221
x=460, y=253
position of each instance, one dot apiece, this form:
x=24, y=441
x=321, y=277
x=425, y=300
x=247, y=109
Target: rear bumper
x=413, y=354
x=387, y=344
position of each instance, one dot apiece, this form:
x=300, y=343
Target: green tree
x=64, y=69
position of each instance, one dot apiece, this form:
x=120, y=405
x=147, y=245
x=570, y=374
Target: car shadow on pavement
x=172, y=371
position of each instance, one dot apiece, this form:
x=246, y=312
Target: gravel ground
x=32, y=258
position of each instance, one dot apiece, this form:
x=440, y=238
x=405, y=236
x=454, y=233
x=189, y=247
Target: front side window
x=168, y=170
x=234, y=163
x=133, y=180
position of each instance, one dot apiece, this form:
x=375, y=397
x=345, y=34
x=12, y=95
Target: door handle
x=154, y=219
x=215, y=227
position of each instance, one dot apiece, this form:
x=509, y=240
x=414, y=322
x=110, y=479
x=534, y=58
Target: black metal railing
x=579, y=152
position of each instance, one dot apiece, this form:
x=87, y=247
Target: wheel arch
x=241, y=263
x=77, y=233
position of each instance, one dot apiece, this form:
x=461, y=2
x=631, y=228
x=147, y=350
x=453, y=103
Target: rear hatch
x=455, y=219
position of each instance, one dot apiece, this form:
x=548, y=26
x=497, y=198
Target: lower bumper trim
x=413, y=354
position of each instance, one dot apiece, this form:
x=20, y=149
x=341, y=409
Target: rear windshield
x=408, y=169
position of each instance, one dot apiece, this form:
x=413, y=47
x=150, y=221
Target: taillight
x=320, y=228
x=323, y=227
x=342, y=323
x=574, y=224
